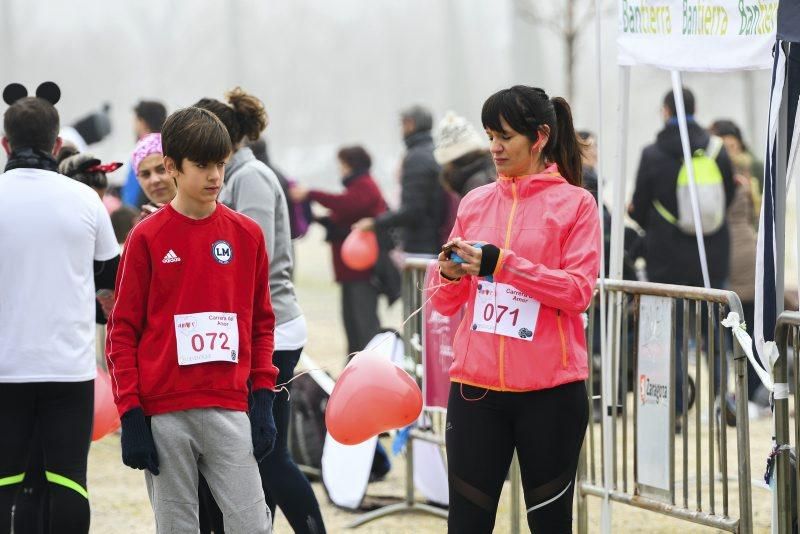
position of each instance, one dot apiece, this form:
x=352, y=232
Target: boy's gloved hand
x=138, y=447
x=262, y=423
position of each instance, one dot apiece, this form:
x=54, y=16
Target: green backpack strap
x=708, y=171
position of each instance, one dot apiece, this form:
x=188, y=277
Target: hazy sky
x=334, y=72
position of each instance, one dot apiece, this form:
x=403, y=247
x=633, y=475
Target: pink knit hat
x=147, y=145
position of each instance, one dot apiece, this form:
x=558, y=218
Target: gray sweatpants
x=218, y=443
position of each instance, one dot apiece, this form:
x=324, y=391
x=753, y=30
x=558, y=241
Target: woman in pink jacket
x=530, y=246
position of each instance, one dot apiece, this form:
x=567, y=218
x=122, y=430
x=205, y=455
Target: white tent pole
x=605, y=511
x=677, y=90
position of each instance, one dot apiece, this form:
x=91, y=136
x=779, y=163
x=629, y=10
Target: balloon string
x=415, y=312
x=282, y=387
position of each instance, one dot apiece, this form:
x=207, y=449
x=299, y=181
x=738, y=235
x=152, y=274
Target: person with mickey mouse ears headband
x=59, y=248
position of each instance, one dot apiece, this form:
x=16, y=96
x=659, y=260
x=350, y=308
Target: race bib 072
x=207, y=337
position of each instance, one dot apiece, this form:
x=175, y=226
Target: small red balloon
x=106, y=417
x=360, y=250
x=372, y=395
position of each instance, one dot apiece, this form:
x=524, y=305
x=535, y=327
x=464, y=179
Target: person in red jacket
x=530, y=247
x=190, y=341
x=361, y=198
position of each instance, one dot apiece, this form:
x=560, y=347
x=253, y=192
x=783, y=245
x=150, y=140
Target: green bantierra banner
x=697, y=35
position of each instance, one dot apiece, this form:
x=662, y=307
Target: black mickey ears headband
x=47, y=90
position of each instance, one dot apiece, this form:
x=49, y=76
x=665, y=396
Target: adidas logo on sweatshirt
x=171, y=257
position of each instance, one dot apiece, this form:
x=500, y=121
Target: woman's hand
x=447, y=267
x=367, y=224
x=298, y=193
x=471, y=256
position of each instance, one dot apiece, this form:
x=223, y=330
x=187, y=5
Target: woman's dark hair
x=526, y=110
x=195, y=134
x=244, y=115
x=356, y=158
x=726, y=127
x=152, y=113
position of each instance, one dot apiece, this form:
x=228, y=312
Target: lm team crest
x=222, y=251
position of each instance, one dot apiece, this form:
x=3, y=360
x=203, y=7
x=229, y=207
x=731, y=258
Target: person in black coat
x=422, y=198
x=671, y=254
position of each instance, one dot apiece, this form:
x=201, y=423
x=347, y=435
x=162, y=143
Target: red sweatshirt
x=186, y=290
x=361, y=198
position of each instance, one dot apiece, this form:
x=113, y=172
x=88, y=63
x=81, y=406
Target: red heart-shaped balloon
x=106, y=417
x=360, y=250
x=372, y=395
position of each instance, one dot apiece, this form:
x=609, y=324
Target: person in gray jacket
x=422, y=202
x=253, y=189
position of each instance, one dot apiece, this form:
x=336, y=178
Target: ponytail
x=244, y=115
x=526, y=109
x=251, y=117
x=564, y=147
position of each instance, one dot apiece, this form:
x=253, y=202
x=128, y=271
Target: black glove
x=138, y=447
x=262, y=423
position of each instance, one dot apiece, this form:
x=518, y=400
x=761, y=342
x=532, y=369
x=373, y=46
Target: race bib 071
x=504, y=310
x=207, y=337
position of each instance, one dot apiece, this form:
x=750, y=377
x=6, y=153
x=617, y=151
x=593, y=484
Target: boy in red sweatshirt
x=190, y=335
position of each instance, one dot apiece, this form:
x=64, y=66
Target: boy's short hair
x=195, y=134
x=31, y=122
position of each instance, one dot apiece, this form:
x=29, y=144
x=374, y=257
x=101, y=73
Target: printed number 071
x=488, y=312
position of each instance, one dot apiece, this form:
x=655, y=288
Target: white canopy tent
x=677, y=36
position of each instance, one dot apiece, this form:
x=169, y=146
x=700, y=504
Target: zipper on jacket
x=507, y=244
x=563, y=340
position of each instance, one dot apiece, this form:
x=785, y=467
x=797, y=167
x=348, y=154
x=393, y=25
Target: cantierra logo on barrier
x=652, y=392
x=653, y=428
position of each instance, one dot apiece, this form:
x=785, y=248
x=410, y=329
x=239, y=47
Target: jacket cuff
x=490, y=254
x=443, y=277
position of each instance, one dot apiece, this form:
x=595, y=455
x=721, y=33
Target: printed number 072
x=198, y=343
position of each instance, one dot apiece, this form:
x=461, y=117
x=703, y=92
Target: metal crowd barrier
x=787, y=331
x=709, y=480
x=412, y=298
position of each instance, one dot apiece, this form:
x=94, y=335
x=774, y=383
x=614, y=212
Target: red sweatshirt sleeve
x=263, y=374
x=127, y=322
x=347, y=205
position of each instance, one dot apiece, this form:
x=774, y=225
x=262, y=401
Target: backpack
x=307, y=429
x=710, y=192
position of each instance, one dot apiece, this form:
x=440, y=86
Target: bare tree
x=567, y=19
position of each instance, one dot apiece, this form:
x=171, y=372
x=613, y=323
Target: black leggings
x=284, y=485
x=545, y=427
x=61, y=413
